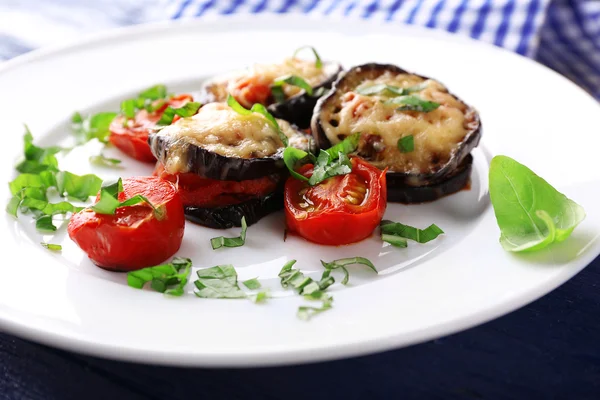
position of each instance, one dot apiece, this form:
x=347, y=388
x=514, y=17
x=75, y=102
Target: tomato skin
x=250, y=90
x=333, y=221
x=198, y=191
x=131, y=137
x=133, y=238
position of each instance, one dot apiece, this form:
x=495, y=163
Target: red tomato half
x=131, y=137
x=203, y=192
x=134, y=237
x=340, y=210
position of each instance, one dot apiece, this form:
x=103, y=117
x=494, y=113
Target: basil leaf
x=128, y=108
x=76, y=186
x=293, y=80
x=346, y=146
x=406, y=144
x=413, y=103
x=292, y=277
x=530, y=212
x=326, y=168
x=252, y=284
x=162, y=277
x=13, y=206
x=95, y=126
x=260, y=297
x=342, y=263
x=307, y=312
x=187, y=110
x=102, y=160
x=53, y=247
x=318, y=62
x=389, y=90
x=44, y=223
x=218, y=282
x=409, y=232
x=278, y=94
x=258, y=108
x=397, y=241
x=293, y=158
x=25, y=181
x=221, y=241
x=107, y=204
x=154, y=93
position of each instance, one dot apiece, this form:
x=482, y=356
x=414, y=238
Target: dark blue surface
x=549, y=349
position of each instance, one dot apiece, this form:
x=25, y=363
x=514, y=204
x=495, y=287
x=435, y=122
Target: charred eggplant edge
x=231, y=216
x=406, y=180
x=298, y=109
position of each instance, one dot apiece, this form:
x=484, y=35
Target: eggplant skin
x=432, y=182
x=298, y=109
x=215, y=166
x=458, y=180
x=231, y=216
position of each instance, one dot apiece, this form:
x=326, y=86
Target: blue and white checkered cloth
x=563, y=34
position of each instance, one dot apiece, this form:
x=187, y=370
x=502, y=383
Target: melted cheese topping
x=263, y=76
x=219, y=129
x=436, y=133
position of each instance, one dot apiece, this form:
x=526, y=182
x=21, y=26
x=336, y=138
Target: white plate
x=425, y=291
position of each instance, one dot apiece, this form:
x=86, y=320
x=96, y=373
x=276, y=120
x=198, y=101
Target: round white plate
x=462, y=279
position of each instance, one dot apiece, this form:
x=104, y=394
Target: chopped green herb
x=318, y=62
x=260, y=109
x=102, y=160
x=530, y=212
x=109, y=199
x=342, y=263
x=218, y=282
x=44, y=223
x=409, y=232
x=252, y=284
x=394, y=240
x=293, y=277
x=128, y=108
x=413, y=103
x=406, y=144
x=53, y=247
x=185, y=111
x=331, y=162
x=163, y=277
x=307, y=312
x=221, y=241
x=389, y=90
x=294, y=80
x=154, y=93
x=260, y=297
x=95, y=126
x=76, y=186
x=293, y=159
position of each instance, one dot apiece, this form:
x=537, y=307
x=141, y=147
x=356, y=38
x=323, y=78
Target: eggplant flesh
x=231, y=215
x=297, y=108
x=437, y=174
x=190, y=145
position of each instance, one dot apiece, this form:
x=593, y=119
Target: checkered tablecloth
x=563, y=34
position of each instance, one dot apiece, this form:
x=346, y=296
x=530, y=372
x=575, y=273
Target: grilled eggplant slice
x=231, y=215
x=254, y=86
x=219, y=143
x=443, y=137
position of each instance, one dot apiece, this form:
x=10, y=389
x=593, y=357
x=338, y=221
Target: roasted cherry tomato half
x=131, y=137
x=136, y=236
x=340, y=210
x=198, y=191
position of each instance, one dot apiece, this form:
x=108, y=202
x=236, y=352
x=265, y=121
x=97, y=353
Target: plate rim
x=287, y=356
